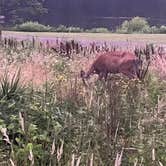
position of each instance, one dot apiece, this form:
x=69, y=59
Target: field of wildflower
x=49, y=117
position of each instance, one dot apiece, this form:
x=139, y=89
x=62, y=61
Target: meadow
x=49, y=117
x=154, y=38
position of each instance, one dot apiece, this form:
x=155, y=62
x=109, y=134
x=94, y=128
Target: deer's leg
x=100, y=76
x=105, y=76
x=129, y=74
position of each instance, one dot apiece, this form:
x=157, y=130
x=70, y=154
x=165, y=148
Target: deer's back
x=111, y=62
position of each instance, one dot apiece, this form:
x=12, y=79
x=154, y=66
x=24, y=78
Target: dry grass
x=68, y=124
x=154, y=38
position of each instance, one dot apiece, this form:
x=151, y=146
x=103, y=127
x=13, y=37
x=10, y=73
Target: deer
x=114, y=62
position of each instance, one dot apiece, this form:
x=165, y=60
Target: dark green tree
x=18, y=11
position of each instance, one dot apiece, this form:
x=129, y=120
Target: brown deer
x=114, y=62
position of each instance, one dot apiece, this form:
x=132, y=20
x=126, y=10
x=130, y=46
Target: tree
x=18, y=11
x=136, y=24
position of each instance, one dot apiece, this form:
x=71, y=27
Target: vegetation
x=62, y=28
x=58, y=121
x=79, y=12
x=36, y=27
x=98, y=30
x=139, y=25
x=19, y=11
x=32, y=27
x=135, y=25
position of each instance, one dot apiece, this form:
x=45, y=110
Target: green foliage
x=64, y=121
x=11, y=96
x=90, y=129
x=32, y=27
x=162, y=29
x=154, y=30
x=61, y=28
x=18, y=11
x=36, y=27
x=75, y=29
x=135, y=25
x=98, y=30
x=139, y=25
x=124, y=27
x=10, y=88
x=61, y=66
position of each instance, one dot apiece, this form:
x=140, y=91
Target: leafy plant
x=135, y=25
x=98, y=30
x=30, y=26
x=10, y=88
x=64, y=123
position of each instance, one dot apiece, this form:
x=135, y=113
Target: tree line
x=82, y=13
x=19, y=11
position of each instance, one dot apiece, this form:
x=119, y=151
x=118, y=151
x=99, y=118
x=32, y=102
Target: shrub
x=154, y=29
x=61, y=28
x=98, y=30
x=124, y=27
x=162, y=29
x=63, y=122
x=10, y=87
x=147, y=29
x=32, y=27
x=137, y=24
x=75, y=29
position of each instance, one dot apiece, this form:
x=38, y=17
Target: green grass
x=63, y=121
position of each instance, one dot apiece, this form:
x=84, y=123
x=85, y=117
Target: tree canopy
x=82, y=13
x=17, y=11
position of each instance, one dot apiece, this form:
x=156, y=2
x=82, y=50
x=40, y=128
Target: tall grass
x=118, y=122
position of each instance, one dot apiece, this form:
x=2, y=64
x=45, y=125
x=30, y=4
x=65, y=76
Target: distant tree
x=162, y=29
x=30, y=26
x=18, y=11
x=136, y=24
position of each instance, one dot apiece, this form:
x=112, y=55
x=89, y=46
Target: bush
x=64, y=122
x=98, y=30
x=61, y=28
x=162, y=29
x=124, y=27
x=75, y=29
x=154, y=29
x=32, y=27
x=135, y=25
x=147, y=29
